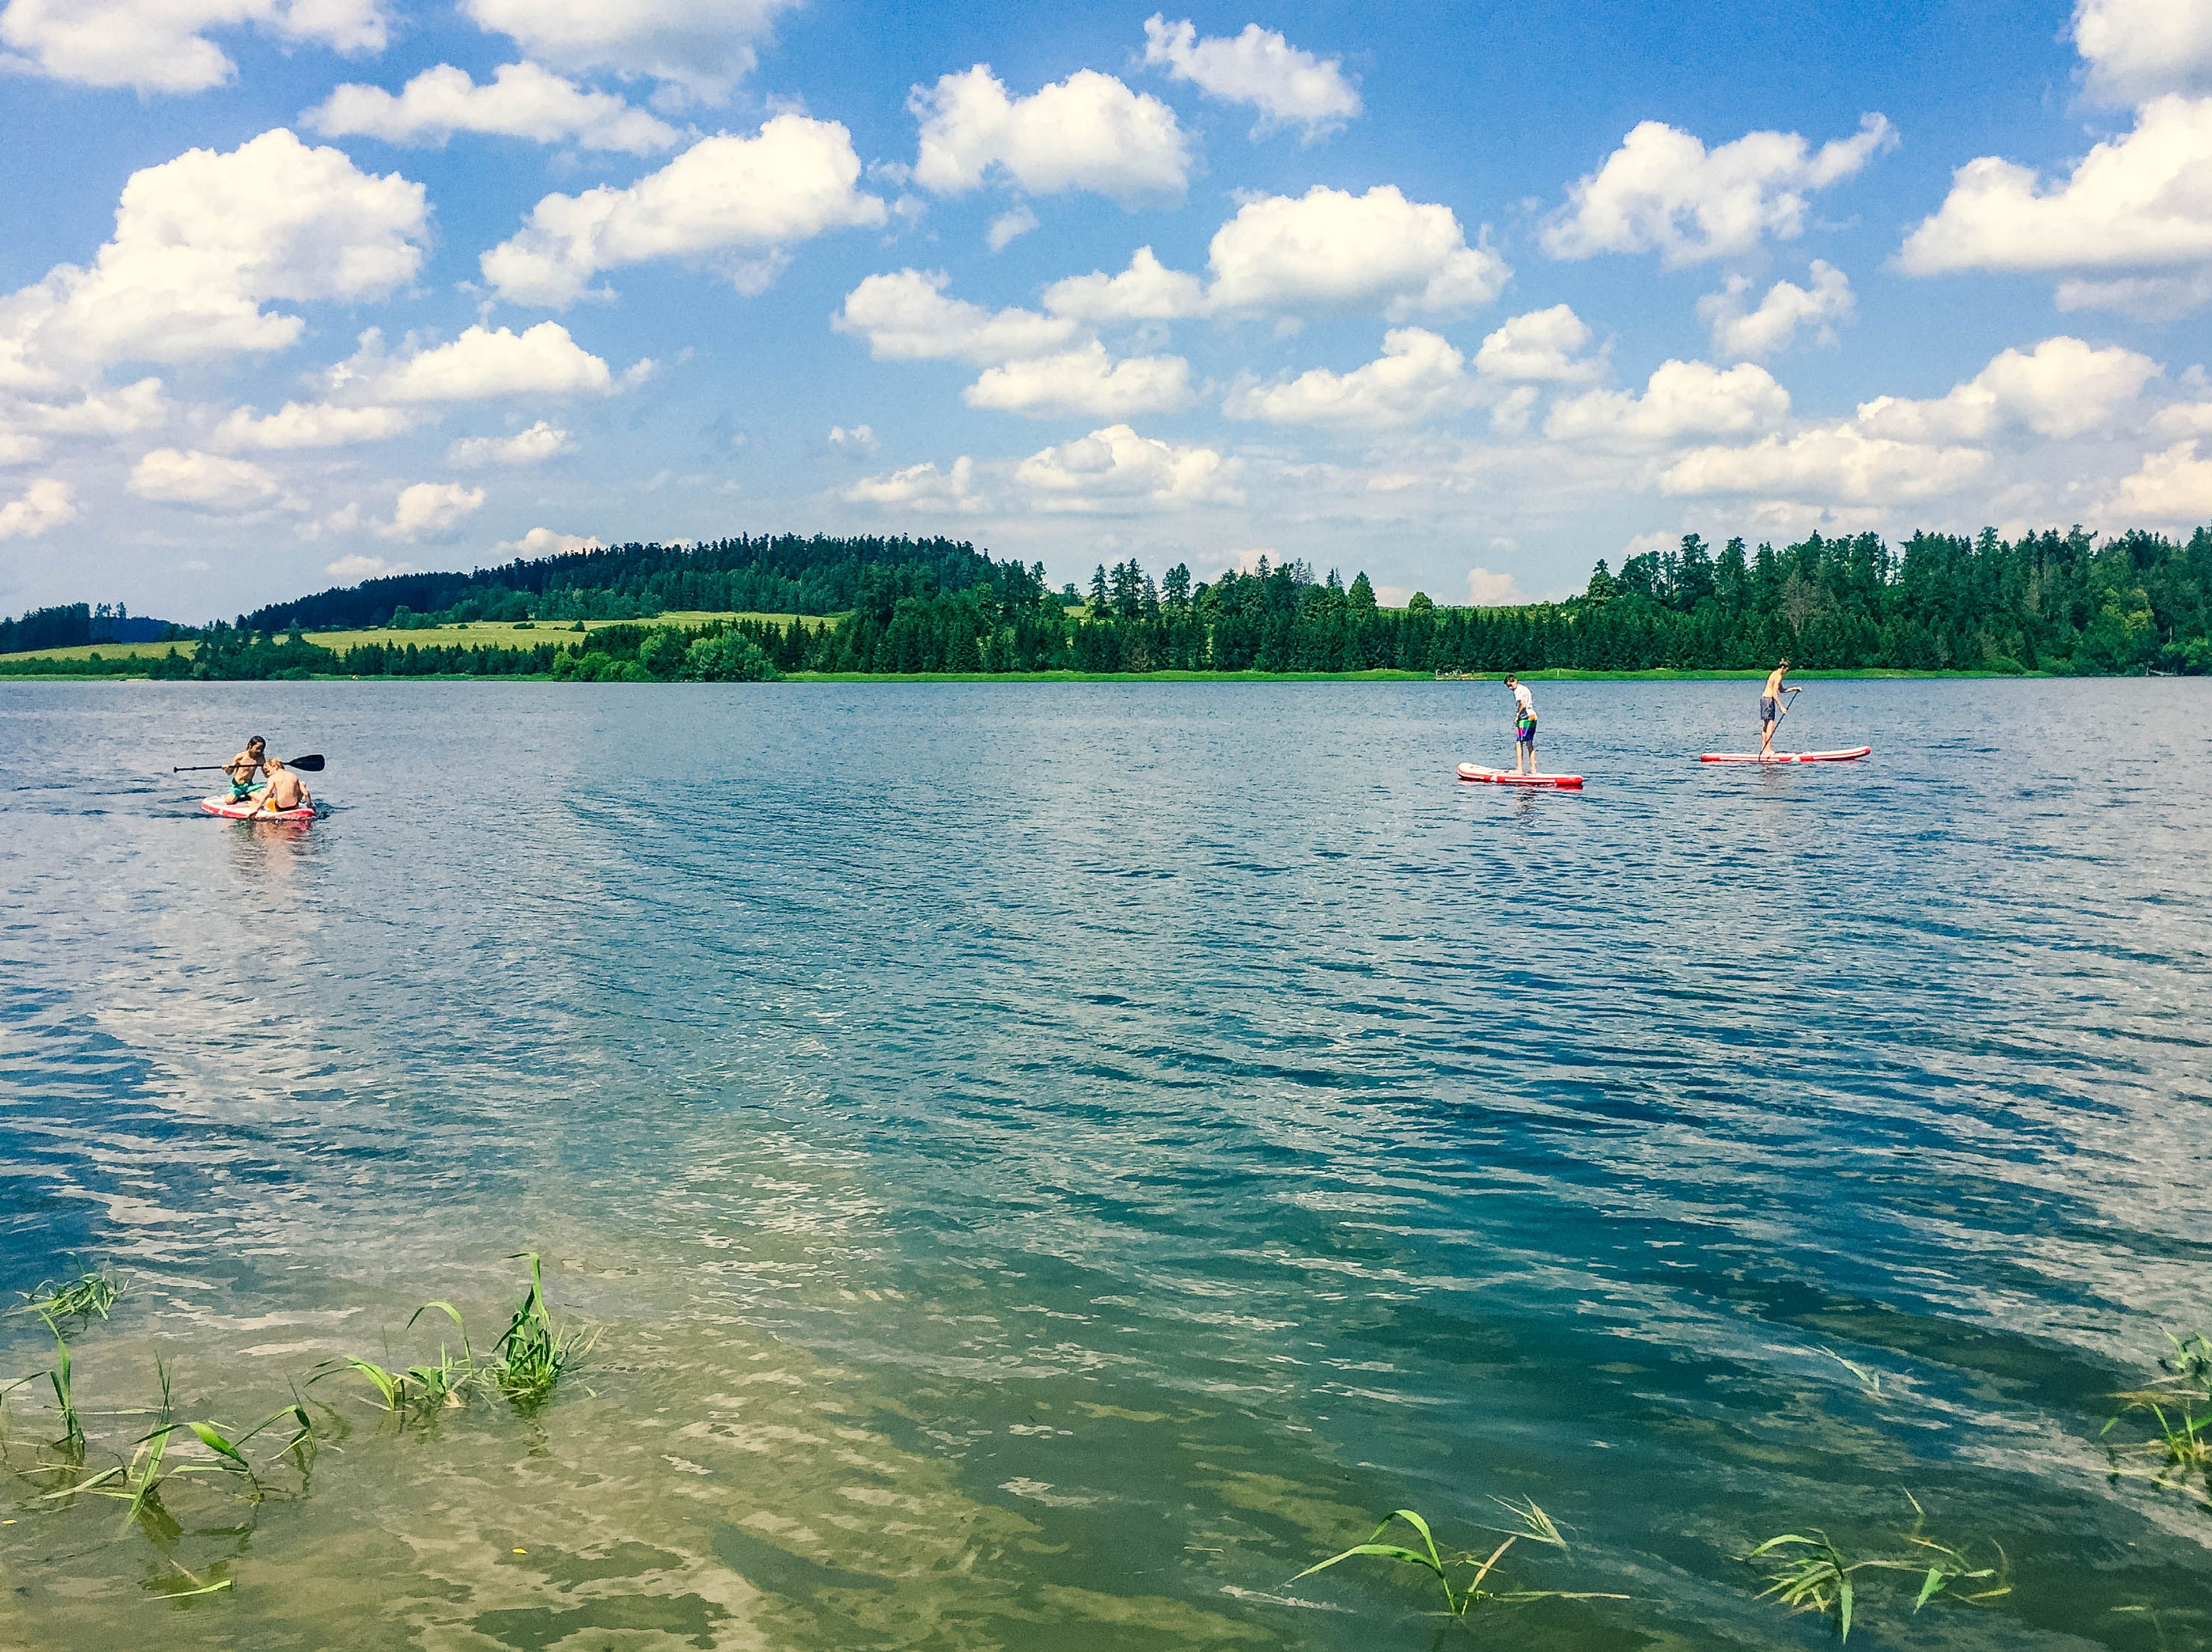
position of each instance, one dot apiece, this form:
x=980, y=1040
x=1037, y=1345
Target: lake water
x=1048, y=1162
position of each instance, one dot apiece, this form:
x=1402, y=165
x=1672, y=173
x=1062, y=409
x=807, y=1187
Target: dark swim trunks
x=1769, y=712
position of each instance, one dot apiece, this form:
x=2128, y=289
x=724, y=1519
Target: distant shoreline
x=1748, y=674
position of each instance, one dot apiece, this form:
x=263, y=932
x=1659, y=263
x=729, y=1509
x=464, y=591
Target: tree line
x=2047, y=602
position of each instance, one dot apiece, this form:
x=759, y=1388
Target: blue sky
x=297, y=291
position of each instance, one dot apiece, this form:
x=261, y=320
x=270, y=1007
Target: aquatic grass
x=525, y=1364
x=1535, y=1526
x=533, y=1353
x=90, y=1293
x=63, y=1376
x=1806, y=1572
x=1869, y=1381
x=2178, y=1405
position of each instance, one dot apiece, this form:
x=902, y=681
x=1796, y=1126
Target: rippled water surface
x=1048, y=1162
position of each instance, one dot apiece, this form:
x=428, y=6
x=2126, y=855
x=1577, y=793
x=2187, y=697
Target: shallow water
x=1048, y=1162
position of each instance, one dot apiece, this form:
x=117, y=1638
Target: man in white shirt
x=1524, y=725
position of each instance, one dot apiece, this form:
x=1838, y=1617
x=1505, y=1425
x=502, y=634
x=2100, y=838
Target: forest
x=2051, y=602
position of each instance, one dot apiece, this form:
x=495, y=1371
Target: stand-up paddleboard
x=250, y=809
x=1850, y=757
x=1507, y=777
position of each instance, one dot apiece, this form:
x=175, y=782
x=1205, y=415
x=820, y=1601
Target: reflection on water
x=1051, y=1163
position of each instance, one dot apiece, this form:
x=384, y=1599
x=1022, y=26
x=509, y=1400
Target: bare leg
x=1766, y=739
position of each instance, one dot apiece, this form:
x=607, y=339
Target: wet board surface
x=1507, y=777
x=250, y=809
x=1851, y=755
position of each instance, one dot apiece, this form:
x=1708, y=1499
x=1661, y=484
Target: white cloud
x=1741, y=332
x=535, y=445
x=1146, y=291
x=429, y=510
x=352, y=570
x=2183, y=419
x=1542, y=347
x=1837, y=464
x=2063, y=388
x=1328, y=249
x=119, y=412
x=1287, y=85
x=2139, y=202
x=920, y=488
x=1419, y=375
x=201, y=243
x=1116, y=470
x=45, y=505
x=312, y=424
x=1085, y=380
x=1010, y=227
x=2136, y=49
x=544, y=541
x=792, y=181
x=481, y=363
x=206, y=482
x=906, y=317
x=1487, y=589
x=1664, y=190
x=703, y=46
x=1681, y=398
x=522, y=100
x=20, y=447
x=1088, y=132
x=859, y=439
x=2172, y=487
x=161, y=45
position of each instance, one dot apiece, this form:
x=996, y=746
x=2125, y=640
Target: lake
x=1046, y=1163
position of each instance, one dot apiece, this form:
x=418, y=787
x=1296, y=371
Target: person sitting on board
x=285, y=792
x=1524, y=725
x=1770, y=707
x=245, y=768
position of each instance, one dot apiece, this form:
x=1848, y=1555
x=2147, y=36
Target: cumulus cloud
x=202, y=243
x=1146, y=291
x=1681, y=398
x=535, y=445
x=856, y=439
x=920, y=488
x=702, y=46
x=1116, y=470
x=352, y=570
x=1085, y=380
x=1839, y=464
x=1419, y=375
x=1742, y=331
x=429, y=510
x=1329, y=249
x=1087, y=132
x=312, y=424
x=1260, y=68
x=482, y=364
x=2172, y=487
x=522, y=100
x=2061, y=389
x=98, y=413
x=2135, y=207
x=792, y=181
x=2183, y=419
x=1487, y=589
x=2133, y=49
x=161, y=45
x=206, y=482
x=544, y=541
x=906, y=317
x=1662, y=190
x=47, y=504
x=1542, y=347
x=1010, y=227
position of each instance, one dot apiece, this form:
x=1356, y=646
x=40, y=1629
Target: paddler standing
x=1524, y=725
x=1770, y=709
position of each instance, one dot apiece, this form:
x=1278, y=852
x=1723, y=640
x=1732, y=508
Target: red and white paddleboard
x=1850, y=756
x=250, y=809
x=1507, y=777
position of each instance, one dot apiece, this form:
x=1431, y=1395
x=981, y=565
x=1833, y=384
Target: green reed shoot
x=89, y=1294
x=2179, y=1403
x=1870, y=1381
x=1807, y=1573
x=525, y=1364
x=1535, y=1526
x=64, y=1379
x=532, y=1353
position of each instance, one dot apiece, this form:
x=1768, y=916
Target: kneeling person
x=244, y=769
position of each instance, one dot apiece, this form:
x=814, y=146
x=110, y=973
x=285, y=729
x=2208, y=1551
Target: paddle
x=310, y=765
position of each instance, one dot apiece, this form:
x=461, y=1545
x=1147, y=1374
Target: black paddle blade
x=313, y=765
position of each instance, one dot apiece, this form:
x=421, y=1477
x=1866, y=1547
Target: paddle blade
x=311, y=765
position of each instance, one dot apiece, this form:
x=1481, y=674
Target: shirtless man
x=245, y=769
x=1524, y=725
x=1770, y=706
x=285, y=790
